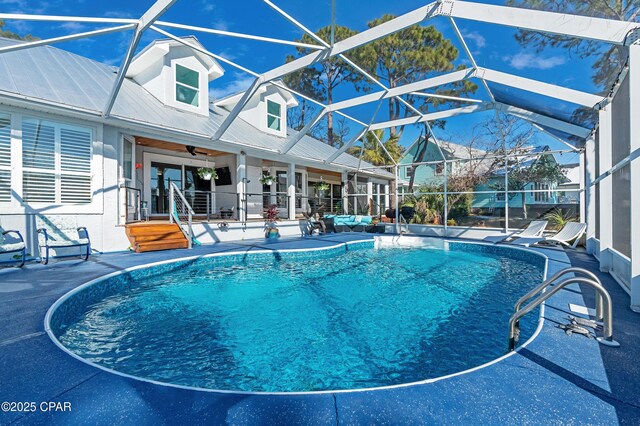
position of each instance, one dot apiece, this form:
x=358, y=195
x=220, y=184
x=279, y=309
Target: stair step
x=161, y=245
x=159, y=237
x=151, y=229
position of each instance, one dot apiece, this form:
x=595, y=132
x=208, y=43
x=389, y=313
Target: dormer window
x=274, y=115
x=187, y=85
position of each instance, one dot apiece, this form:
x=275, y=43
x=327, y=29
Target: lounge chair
x=58, y=232
x=572, y=231
x=534, y=229
x=17, y=246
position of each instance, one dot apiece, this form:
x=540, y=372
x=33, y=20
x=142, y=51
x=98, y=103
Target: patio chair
x=534, y=229
x=315, y=224
x=572, y=231
x=17, y=246
x=61, y=232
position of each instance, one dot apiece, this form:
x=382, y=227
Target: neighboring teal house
x=552, y=193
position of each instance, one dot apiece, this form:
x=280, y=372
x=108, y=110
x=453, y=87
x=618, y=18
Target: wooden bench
x=17, y=246
x=59, y=231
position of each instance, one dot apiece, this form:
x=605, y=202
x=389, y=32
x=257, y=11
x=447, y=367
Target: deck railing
x=181, y=212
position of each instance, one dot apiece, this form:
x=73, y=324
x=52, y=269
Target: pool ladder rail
x=549, y=287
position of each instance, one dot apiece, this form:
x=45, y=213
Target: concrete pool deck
x=557, y=379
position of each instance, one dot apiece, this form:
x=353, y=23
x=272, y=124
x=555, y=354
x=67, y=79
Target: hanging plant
x=207, y=173
x=267, y=180
x=322, y=186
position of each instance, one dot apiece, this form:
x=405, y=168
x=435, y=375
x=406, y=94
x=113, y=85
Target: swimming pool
x=350, y=317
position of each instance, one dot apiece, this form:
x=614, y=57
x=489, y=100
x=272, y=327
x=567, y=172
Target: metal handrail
x=549, y=281
x=175, y=215
x=607, y=330
x=401, y=219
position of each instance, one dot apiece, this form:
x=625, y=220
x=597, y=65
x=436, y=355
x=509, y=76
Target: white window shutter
x=56, y=163
x=5, y=158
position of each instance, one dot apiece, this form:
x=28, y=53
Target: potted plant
x=207, y=173
x=267, y=180
x=270, y=222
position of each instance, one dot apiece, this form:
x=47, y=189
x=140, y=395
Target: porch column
x=606, y=189
x=241, y=184
x=345, y=191
x=582, y=198
x=590, y=192
x=369, y=196
x=386, y=197
x=634, y=112
x=291, y=190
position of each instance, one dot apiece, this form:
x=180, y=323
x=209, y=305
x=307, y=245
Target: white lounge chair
x=535, y=229
x=572, y=231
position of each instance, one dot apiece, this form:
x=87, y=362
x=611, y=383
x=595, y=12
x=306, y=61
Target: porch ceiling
x=176, y=147
x=324, y=172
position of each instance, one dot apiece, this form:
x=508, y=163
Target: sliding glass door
x=161, y=175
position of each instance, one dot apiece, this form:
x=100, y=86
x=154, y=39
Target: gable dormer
x=266, y=110
x=175, y=74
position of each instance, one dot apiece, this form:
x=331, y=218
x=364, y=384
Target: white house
x=61, y=154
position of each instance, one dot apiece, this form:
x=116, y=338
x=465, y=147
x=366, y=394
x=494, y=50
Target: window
x=541, y=196
x=5, y=158
x=281, y=189
x=56, y=161
x=127, y=159
x=439, y=169
x=409, y=171
x=187, y=85
x=273, y=115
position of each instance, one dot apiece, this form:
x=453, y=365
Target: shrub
x=558, y=218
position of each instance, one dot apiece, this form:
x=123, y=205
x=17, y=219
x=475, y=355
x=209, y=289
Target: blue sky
x=493, y=46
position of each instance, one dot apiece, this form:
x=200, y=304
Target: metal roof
x=54, y=75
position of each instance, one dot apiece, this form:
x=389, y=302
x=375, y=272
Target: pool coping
x=446, y=241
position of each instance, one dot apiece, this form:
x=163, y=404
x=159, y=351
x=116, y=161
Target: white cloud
x=73, y=27
x=208, y=6
x=530, y=60
x=25, y=6
x=118, y=14
x=220, y=24
x=477, y=38
x=240, y=84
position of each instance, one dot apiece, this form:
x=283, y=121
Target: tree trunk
x=303, y=111
x=392, y=130
x=392, y=112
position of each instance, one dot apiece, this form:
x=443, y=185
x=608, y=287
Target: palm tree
x=373, y=153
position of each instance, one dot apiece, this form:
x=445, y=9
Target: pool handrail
x=550, y=281
x=607, y=332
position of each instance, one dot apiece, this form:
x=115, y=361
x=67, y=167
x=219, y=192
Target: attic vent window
x=187, y=87
x=273, y=115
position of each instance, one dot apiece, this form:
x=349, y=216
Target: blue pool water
x=337, y=320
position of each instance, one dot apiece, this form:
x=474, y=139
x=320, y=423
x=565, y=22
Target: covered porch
x=243, y=188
